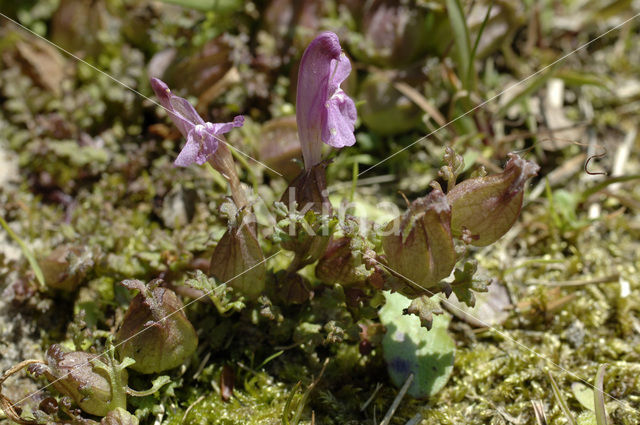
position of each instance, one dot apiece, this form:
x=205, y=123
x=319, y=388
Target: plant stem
x=223, y=162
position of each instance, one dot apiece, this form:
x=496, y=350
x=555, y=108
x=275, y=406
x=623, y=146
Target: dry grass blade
x=371, y=398
x=421, y=101
x=415, y=420
x=561, y=401
x=538, y=411
x=396, y=402
x=10, y=409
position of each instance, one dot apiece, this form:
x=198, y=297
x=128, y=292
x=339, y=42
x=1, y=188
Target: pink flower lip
x=324, y=112
x=202, y=142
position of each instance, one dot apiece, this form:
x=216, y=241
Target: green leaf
x=424, y=308
x=587, y=418
x=583, y=394
x=408, y=348
x=472, y=55
x=461, y=35
x=464, y=283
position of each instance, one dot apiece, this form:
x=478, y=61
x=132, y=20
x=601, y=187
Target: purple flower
x=202, y=140
x=324, y=112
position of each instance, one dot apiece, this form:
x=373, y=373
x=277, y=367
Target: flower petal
x=181, y=117
x=201, y=137
x=162, y=91
x=184, y=115
x=188, y=154
x=312, y=93
x=340, y=118
x=340, y=68
x=222, y=128
x=201, y=144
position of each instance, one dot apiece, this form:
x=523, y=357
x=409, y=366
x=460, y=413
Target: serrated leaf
x=220, y=294
x=424, y=308
x=464, y=283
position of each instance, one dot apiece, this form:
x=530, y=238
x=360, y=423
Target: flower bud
x=155, y=331
x=418, y=244
x=238, y=260
x=486, y=207
x=371, y=335
x=93, y=382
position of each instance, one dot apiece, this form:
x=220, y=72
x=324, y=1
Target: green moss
x=260, y=400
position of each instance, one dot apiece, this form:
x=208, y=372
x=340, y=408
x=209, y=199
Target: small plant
x=414, y=254
x=97, y=384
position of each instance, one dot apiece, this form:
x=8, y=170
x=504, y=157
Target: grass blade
x=532, y=86
x=268, y=359
x=561, y=401
x=598, y=397
x=286, y=411
x=461, y=35
x=472, y=55
x=603, y=184
x=25, y=250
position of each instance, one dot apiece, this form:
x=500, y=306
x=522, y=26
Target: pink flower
x=202, y=142
x=324, y=112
